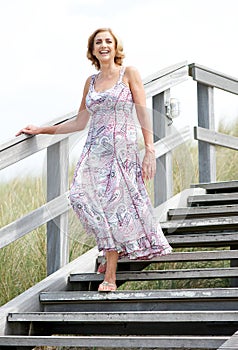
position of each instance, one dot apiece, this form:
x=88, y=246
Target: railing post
x=57, y=184
x=163, y=181
x=206, y=152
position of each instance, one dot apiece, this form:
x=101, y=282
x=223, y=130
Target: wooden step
x=231, y=343
x=203, y=211
x=219, y=187
x=146, y=300
x=142, y=323
x=213, y=199
x=220, y=224
x=150, y=275
x=205, y=255
x=155, y=342
x=127, y=316
x=211, y=239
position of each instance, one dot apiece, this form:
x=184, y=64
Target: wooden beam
x=127, y=316
x=231, y=343
x=152, y=342
x=24, y=146
x=154, y=275
x=165, y=79
x=34, y=219
x=143, y=296
x=206, y=152
x=57, y=184
x=213, y=78
x=215, y=138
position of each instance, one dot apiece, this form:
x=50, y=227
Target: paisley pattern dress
x=108, y=193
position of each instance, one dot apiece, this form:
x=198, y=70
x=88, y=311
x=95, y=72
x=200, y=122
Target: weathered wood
x=206, y=152
x=215, y=138
x=150, y=275
x=139, y=317
x=152, y=342
x=202, y=211
x=165, y=79
x=140, y=295
x=231, y=343
x=184, y=256
x=221, y=186
x=24, y=146
x=170, y=142
x=163, y=179
x=34, y=219
x=214, y=199
x=213, y=78
x=203, y=240
x=57, y=184
x=202, y=224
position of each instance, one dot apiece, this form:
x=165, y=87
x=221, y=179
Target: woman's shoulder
x=131, y=70
x=132, y=74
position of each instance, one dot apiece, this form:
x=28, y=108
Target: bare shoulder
x=132, y=72
x=133, y=78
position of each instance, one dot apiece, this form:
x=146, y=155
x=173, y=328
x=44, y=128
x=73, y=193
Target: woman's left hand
x=149, y=165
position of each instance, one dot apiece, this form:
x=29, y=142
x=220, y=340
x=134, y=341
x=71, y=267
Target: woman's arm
x=137, y=89
x=68, y=127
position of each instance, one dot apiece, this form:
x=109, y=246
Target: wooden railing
x=208, y=79
x=55, y=211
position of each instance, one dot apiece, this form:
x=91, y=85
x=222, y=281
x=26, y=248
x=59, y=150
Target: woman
x=108, y=192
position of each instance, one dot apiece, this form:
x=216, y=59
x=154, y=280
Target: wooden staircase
x=191, y=318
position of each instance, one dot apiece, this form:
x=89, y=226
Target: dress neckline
x=121, y=73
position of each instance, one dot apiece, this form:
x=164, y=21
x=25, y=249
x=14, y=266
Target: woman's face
x=104, y=47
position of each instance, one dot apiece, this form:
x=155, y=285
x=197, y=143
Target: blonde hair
x=118, y=47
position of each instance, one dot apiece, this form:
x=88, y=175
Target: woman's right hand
x=29, y=130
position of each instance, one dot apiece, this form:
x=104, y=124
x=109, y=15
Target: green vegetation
x=23, y=263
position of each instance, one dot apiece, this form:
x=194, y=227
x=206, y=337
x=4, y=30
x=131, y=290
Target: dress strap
x=122, y=71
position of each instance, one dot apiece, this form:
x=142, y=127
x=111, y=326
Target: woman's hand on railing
x=29, y=130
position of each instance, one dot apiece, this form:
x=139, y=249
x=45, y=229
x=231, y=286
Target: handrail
x=213, y=78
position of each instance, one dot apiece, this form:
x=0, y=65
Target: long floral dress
x=108, y=193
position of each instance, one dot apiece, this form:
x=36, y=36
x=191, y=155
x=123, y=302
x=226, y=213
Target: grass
x=23, y=263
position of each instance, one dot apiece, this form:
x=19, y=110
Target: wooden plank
x=163, y=177
x=203, y=240
x=29, y=300
x=231, y=343
x=203, y=211
x=140, y=295
x=151, y=342
x=170, y=142
x=24, y=146
x=165, y=79
x=57, y=184
x=150, y=275
x=221, y=186
x=185, y=256
x=201, y=224
x=213, y=78
x=34, y=219
x=218, y=198
x=206, y=152
x=215, y=138
x=127, y=316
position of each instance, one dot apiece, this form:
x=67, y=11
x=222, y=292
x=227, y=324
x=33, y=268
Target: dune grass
x=23, y=263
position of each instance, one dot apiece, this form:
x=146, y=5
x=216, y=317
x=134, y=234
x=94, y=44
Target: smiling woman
x=108, y=192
